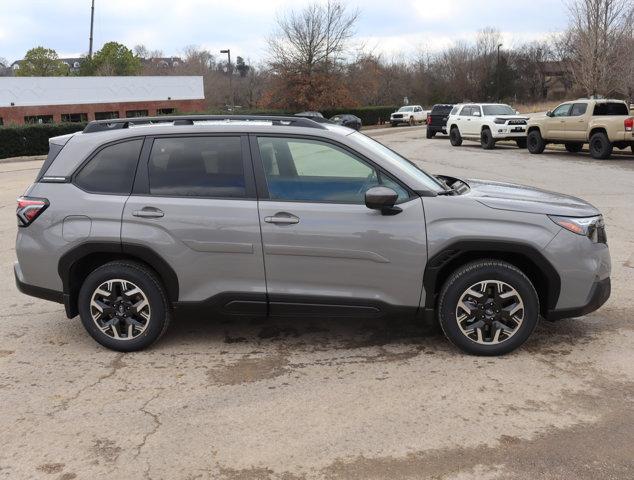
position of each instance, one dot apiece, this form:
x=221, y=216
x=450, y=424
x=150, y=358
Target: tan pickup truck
x=603, y=124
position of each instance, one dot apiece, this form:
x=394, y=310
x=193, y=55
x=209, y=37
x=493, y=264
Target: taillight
x=29, y=209
x=428, y=119
x=628, y=123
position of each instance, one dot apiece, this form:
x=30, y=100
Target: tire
x=521, y=143
x=430, y=133
x=393, y=124
x=454, y=137
x=573, y=147
x=534, y=142
x=152, y=320
x=479, y=277
x=600, y=146
x=486, y=139
x=412, y=122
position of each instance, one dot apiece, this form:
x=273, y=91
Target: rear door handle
x=282, y=218
x=148, y=212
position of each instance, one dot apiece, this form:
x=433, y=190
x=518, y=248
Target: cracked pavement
x=329, y=399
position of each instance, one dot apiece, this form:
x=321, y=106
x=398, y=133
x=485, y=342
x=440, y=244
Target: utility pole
x=92, y=24
x=497, y=74
x=230, y=73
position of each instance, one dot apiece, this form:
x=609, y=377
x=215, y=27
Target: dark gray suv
x=132, y=221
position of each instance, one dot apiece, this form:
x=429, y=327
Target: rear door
x=576, y=122
x=463, y=118
x=325, y=252
x=194, y=204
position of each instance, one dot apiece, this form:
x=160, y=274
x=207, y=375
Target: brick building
x=80, y=99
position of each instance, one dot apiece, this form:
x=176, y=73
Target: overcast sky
x=389, y=27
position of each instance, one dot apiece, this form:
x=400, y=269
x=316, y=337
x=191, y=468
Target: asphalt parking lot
x=313, y=399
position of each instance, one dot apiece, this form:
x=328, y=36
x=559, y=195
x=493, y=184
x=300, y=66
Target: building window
x=38, y=119
x=74, y=117
x=136, y=113
x=106, y=115
x=1, y=121
x=165, y=111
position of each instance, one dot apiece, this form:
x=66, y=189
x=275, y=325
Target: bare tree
x=306, y=53
x=594, y=44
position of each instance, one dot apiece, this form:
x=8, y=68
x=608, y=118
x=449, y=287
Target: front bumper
x=509, y=132
x=599, y=294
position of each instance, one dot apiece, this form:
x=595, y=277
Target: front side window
x=578, y=109
x=310, y=170
x=562, y=110
x=111, y=170
x=197, y=167
x=466, y=110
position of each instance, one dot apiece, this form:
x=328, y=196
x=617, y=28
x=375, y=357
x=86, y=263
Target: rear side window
x=578, y=109
x=441, y=109
x=111, y=170
x=197, y=167
x=611, y=108
x=466, y=110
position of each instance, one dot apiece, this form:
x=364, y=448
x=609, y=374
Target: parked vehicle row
x=603, y=124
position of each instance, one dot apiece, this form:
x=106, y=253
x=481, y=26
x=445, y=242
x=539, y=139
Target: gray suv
x=130, y=222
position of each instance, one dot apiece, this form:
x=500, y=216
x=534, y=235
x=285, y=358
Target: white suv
x=410, y=114
x=487, y=122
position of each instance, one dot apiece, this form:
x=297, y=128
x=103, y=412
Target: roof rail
x=117, y=123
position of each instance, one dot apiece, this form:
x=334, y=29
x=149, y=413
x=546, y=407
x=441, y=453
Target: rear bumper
x=34, y=290
x=599, y=294
x=437, y=128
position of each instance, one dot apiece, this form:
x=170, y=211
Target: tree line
x=315, y=63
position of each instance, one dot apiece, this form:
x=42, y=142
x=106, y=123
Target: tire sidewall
x=600, y=147
x=454, y=137
x=534, y=142
x=150, y=288
x=457, y=285
x=486, y=139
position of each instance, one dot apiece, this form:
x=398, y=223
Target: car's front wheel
x=412, y=122
x=573, y=147
x=600, y=146
x=486, y=139
x=534, y=142
x=488, y=307
x=454, y=137
x=123, y=306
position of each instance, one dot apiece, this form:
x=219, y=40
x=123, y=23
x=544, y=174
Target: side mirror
x=476, y=114
x=549, y=113
x=517, y=112
x=383, y=199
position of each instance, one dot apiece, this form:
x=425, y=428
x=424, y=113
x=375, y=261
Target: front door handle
x=148, y=212
x=282, y=218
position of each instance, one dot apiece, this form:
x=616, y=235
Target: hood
x=520, y=198
x=510, y=117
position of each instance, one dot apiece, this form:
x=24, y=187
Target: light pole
x=92, y=23
x=229, y=72
x=497, y=73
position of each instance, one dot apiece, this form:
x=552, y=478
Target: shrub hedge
x=26, y=140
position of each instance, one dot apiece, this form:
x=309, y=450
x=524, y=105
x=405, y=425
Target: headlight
x=591, y=227
x=500, y=121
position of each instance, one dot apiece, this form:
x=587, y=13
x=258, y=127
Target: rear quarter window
x=111, y=170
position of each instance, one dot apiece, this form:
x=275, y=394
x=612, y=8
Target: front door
x=576, y=123
x=194, y=205
x=556, y=123
x=325, y=252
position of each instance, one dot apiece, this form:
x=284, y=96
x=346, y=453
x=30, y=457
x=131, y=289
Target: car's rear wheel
x=430, y=133
x=454, y=137
x=123, y=306
x=488, y=307
x=573, y=147
x=600, y=146
x=521, y=143
x=534, y=142
x=486, y=139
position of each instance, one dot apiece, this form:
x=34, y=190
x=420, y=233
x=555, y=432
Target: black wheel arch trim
x=66, y=268
x=456, y=254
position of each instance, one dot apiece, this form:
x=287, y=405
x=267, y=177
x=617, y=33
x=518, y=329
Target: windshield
x=406, y=109
x=498, y=110
x=409, y=167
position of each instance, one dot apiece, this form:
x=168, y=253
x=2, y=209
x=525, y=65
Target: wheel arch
x=597, y=130
x=528, y=259
x=76, y=264
x=532, y=129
